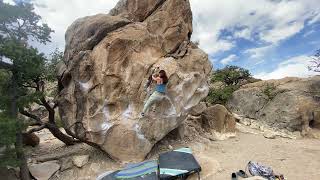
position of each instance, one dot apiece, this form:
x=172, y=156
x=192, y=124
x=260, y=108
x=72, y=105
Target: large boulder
x=135, y=10
x=289, y=103
x=218, y=118
x=107, y=61
x=85, y=33
x=44, y=171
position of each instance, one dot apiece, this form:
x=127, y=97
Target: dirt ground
x=296, y=159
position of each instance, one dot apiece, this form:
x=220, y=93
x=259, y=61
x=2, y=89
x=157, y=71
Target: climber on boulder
x=148, y=86
x=161, y=80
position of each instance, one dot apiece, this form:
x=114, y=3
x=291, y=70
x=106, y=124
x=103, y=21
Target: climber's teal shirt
x=161, y=88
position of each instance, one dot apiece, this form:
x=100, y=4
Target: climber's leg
x=148, y=95
x=152, y=99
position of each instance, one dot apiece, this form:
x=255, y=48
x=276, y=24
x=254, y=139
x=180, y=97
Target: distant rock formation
x=107, y=61
x=289, y=103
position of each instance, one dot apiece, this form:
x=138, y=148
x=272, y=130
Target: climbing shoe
x=234, y=176
x=242, y=174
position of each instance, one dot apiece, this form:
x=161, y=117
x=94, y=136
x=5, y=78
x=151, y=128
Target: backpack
x=256, y=169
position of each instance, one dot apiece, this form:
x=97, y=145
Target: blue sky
x=305, y=42
x=271, y=38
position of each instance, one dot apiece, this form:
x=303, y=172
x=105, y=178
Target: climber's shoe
x=234, y=176
x=242, y=174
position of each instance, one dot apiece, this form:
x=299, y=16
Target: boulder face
x=289, y=103
x=108, y=59
x=45, y=170
x=219, y=119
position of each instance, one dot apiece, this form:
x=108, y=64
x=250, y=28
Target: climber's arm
x=157, y=79
x=154, y=77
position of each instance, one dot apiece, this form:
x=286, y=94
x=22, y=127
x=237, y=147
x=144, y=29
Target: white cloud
x=244, y=33
x=315, y=19
x=256, y=53
x=309, y=33
x=259, y=20
x=293, y=67
x=229, y=59
x=59, y=14
x=282, y=32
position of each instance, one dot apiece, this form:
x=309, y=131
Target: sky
x=272, y=38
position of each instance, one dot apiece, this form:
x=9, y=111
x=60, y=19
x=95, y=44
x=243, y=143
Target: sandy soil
x=296, y=159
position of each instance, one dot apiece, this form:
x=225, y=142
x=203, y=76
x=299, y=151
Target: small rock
x=45, y=170
x=80, y=161
x=165, y=142
x=245, y=121
x=198, y=109
x=30, y=139
x=245, y=129
x=270, y=135
x=8, y=174
x=170, y=147
x=255, y=125
x=297, y=134
x=238, y=117
x=66, y=163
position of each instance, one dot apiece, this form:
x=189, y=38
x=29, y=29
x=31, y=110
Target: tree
x=231, y=75
x=33, y=73
x=231, y=78
x=7, y=126
x=23, y=73
x=315, y=62
x=20, y=22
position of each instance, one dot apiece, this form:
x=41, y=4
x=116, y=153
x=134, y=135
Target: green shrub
x=221, y=95
x=270, y=91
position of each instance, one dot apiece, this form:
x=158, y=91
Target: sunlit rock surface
x=107, y=61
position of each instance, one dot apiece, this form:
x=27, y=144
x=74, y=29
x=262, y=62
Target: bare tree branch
x=55, y=105
x=32, y=116
x=37, y=129
x=34, y=124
